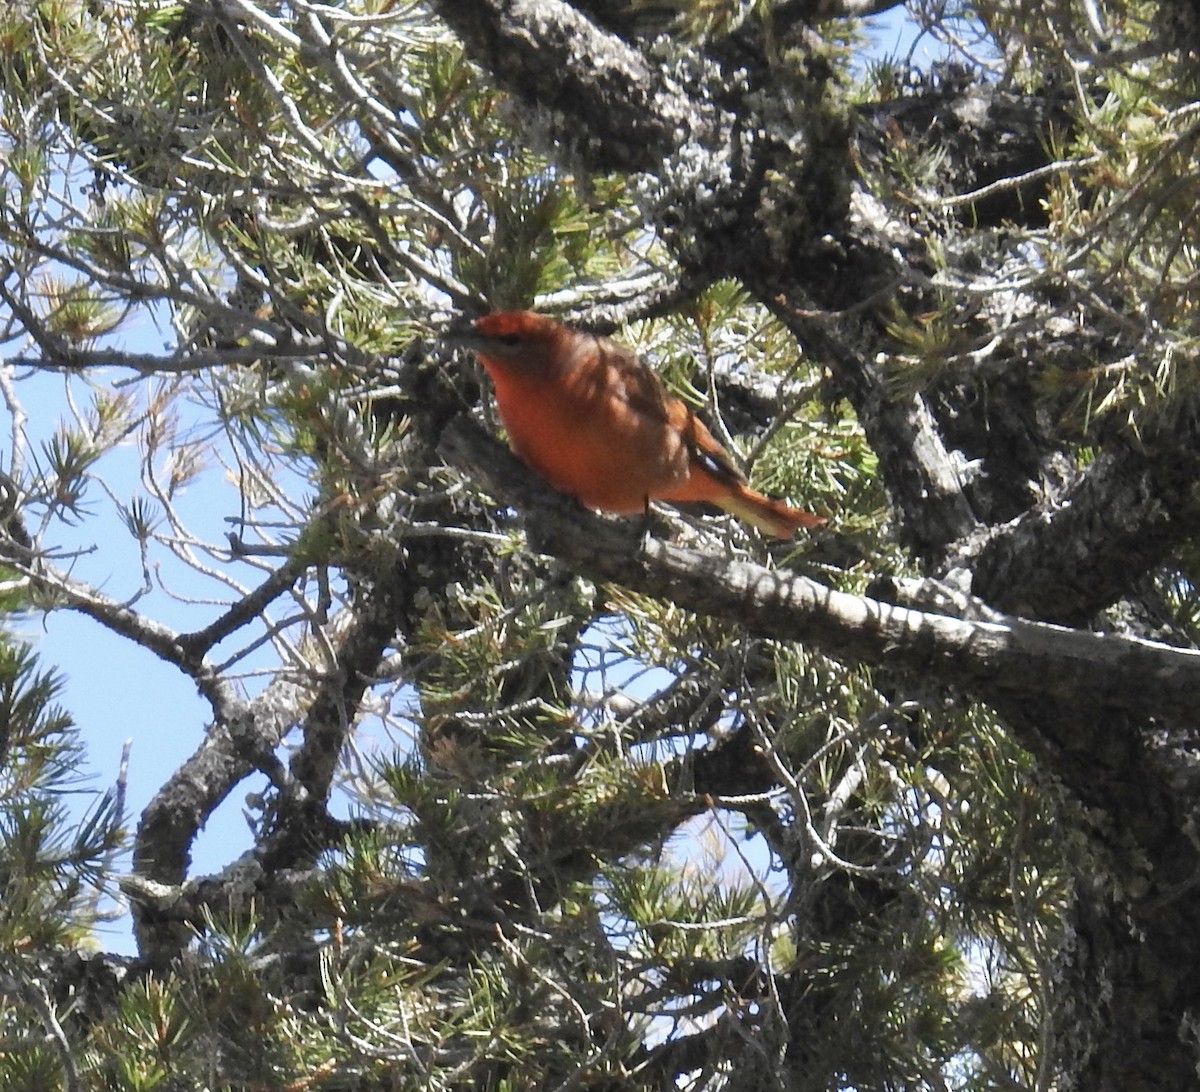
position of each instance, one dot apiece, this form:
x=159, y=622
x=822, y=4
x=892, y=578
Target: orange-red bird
x=595, y=422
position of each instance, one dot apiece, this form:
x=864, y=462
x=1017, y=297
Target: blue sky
x=114, y=689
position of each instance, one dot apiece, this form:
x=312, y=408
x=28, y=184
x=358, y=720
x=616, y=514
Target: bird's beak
x=461, y=334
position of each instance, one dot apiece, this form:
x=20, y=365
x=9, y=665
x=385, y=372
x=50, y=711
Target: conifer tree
x=558, y=800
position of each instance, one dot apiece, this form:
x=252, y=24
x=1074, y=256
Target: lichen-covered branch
x=982, y=658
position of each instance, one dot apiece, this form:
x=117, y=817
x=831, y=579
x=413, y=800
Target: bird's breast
x=579, y=431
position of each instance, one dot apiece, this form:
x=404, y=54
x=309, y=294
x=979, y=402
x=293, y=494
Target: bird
x=594, y=421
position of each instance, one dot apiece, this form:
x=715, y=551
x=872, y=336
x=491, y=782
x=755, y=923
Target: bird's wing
x=639, y=387
x=644, y=393
x=706, y=450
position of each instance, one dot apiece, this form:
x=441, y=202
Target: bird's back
x=593, y=421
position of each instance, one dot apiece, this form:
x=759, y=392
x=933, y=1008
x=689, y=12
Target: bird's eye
x=511, y=340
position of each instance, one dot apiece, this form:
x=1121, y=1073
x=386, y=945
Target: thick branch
x=553, y=57
x=332, y=712
x=1121, y=520
x=225, y=756
x=984, y=659
x=241, y=740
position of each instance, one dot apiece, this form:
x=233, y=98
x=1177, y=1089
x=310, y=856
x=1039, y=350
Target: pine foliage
x=528, y=819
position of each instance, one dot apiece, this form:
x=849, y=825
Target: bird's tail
x=771, y=516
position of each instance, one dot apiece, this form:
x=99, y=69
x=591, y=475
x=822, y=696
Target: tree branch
x=920, y=472
x=237, y=743
x=548, y=54
x=1120, y=520
x=983, y=659
x=246, y=610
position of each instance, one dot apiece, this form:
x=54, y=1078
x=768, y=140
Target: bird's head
x=513, y=337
